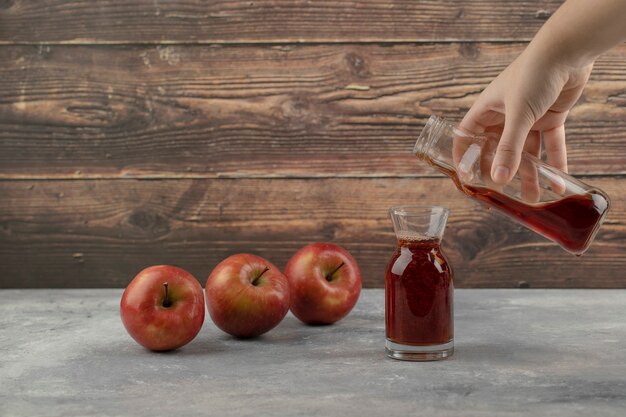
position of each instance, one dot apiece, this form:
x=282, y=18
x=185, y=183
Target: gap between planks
x=279, y=42
x=8, y=178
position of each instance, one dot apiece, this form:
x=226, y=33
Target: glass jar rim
x=413, y=210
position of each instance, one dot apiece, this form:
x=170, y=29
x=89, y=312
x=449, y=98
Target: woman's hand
x=531, y=98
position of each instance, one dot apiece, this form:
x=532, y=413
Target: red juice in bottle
x=419, y=294
x=571, y=222
x=540, y=197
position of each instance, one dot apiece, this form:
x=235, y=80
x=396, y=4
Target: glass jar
x=418, y=287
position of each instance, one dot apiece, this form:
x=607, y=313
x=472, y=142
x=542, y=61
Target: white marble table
x=518, y=352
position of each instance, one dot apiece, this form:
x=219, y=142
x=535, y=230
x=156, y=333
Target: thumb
x=517, y=125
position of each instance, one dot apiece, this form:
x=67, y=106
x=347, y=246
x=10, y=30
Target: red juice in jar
x=419, y=288
x=419, y=296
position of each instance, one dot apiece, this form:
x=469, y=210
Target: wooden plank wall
x=144, y=132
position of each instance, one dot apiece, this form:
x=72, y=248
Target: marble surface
x=518, y=352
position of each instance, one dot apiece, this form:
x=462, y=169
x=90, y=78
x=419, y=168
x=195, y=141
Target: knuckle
x=527, y=112
x=507, y=150
x=555, y=147
x=532, y=113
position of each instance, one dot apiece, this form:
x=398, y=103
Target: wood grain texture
x=145, y=132
x=288, y=111
x=284, y=21
x=99, y=233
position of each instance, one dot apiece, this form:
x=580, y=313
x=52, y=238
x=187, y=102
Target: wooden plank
x=283, y=21
x=78, y=233
x=288, y=111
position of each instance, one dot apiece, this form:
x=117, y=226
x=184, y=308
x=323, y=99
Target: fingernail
x=501, y=174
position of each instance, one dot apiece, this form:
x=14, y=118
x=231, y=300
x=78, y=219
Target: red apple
x=325, y=283
x=163, y=307
x=247, y=295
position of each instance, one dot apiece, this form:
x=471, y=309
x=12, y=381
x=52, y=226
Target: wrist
x=554, y=52
x=580, y=31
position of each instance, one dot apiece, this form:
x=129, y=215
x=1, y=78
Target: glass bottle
x=540, y=197
x=418, y=287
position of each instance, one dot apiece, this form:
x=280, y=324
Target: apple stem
x=255, y=281
x=329, y=277
x=166, y=300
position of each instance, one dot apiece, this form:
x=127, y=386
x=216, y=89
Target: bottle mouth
x=428, y=136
